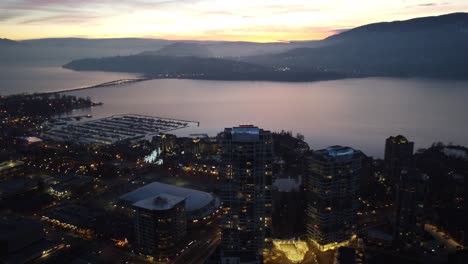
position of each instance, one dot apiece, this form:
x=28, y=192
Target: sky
x=232, y=20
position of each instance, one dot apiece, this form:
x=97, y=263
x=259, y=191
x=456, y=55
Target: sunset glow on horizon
x=240, y=20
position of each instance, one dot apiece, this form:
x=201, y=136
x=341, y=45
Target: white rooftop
x=31, y=140
x=162, y=201
x=194, y=199
x=455, y=153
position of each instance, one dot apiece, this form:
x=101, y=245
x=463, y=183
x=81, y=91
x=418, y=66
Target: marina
x=114, y=129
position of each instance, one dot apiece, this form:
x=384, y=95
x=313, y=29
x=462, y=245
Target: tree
x=300, y=136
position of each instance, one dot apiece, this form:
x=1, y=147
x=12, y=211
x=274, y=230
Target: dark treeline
x=40, y=104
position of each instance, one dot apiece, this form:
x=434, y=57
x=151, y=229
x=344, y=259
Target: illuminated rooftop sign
x=245, y=133
x=338, y=151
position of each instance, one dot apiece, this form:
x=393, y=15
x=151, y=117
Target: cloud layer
x=254, y=20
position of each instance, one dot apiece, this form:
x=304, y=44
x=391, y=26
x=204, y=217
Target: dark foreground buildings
x=288, y=209
x=398, y=156
x=247, y=156
x=411, y=203
x=23, y=240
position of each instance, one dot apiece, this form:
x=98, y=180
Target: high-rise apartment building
x=288, y=209
x=160, y=223
x=398, y=155
x=332, y=200
x=411, y=195
x=247, y=155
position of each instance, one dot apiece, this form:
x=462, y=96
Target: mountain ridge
x=8, y=42
x=430, y=47
x=433, y=47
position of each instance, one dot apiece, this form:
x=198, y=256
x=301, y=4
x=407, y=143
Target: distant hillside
x=227, y=49
x=445, y=25
x=434, y=47
x=242, y=49
x=182, y=49
x=7, y=42
x=58, y=51
x=113, y=43
x=423, y=47
x=196, y=68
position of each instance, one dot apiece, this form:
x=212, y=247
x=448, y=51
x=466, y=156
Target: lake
x=38, y=79
x=360, y=113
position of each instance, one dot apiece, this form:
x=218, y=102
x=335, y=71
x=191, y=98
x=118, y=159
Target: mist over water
x=360, y=113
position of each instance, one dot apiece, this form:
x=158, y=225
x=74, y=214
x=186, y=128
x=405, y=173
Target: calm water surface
x=359, y=113
x=37, y=79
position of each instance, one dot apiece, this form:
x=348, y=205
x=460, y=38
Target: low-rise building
x=199, y=206
x=69, y=185
x=22, y=240
x=11, y=168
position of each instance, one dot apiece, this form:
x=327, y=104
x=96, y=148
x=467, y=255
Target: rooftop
x=287, y=185
x=10, y=164
x=336, y=154
x=336, y=151
x=13, y=227
x=16, y=186
x=162, y=201
x=399, y=139
x=245, y=133
x=74, y=214
x=31, y=140
x=194, y=199
x=455, y=153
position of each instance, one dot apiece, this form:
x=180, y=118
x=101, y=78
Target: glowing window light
x=295, y=250
x=153, y=158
